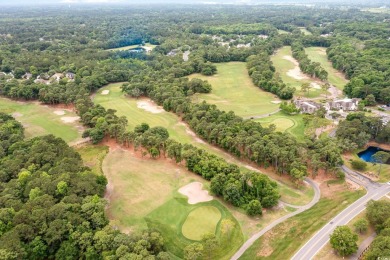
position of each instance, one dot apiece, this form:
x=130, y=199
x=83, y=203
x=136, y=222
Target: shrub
x=359, y=165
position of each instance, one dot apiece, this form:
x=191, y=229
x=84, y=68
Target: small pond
x=367, y=154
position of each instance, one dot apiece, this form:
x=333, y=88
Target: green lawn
x=93, y=156
x=202, y=220
x=126, y=106
x=291, y=124
x=283, y=66
x=318, y=54
x=285, y=239
x=233, y=90
x=283, y=32
x=40, y=120
x=169, y=219
x=305, y=31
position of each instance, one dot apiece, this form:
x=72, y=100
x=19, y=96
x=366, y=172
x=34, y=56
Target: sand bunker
x=195, y=193
x=59, y=112
x=105, y=92
x=296, y=72
x=276, y=102
x=315, y=85
x=149, y=106
x=70, y=119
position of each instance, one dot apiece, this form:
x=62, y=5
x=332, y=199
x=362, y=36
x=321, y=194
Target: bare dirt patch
x=191, y=133
x=105, y=92
x=149, y=106
x=315, y=85
x=195, y=193
x=296, y=72
x=16, y=115
x=59, y=112
x=70, y=119
x=276, y=102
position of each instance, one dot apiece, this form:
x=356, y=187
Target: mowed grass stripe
x=201, y=221
x=233, y=90
x=40, y=120
x=335, y=77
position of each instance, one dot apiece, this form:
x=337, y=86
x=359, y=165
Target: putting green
x=200, y=221
x=282, y=124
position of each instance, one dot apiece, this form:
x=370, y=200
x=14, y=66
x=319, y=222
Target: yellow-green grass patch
x=282, y=124
x=202, y=220
x=283, y=65
x=283, y=32
x=305, y=31
x=335, y=77
x=233, y=90
x=41, y=120
x=93, y=156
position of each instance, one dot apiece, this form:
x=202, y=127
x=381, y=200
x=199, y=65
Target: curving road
x=300, y=209
x=375, y=191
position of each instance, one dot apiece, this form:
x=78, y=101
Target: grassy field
x=143, y=193
x=283, y=32
x=285, y=239
x=377, y=10
x=128, y=107
x=372, y=169
x=318, y=54
x=292, y=124
x=130, y=47
x=305, y=31
x=41, y=120
x=283, y=66
x=93, y=156
x=200, y=221
x=233, y=90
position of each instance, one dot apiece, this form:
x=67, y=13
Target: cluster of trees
x=358, y=129
x=51, y=206
x=314, y=69
x=378, y=214
x=263, y=75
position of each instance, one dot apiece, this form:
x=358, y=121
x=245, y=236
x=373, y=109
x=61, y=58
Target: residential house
x=57, y=76
x=307, y=107
x=27, y=76
x=70, y=75
x=347, y=104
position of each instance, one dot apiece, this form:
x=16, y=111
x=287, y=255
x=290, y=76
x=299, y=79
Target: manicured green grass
x=296, y=128
x=127, y=107
x=373, y=169
x=40, y=120
x=305, y=31
x=318, y=54
x=201, y=221
x=286, y=238
x=283, y=32
x=283, y=66
x=93, y=156
x=233, y=90
x=125, y=48
x=296, y=198
x=169, y=220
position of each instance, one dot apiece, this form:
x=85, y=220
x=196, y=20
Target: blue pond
x=367, y=154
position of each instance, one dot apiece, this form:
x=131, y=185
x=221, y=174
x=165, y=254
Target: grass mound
x=282, y=124
x=200, y=221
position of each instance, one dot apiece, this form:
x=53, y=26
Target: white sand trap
x=70, y=119
x=195, y=193
x=59, y=112
x=290, y=58
x=276, y=102
x=105, y=92
x=315, y=85
x=296, y=72
x=149, y=106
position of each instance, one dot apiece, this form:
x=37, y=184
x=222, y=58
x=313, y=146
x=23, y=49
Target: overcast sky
x=34, y=2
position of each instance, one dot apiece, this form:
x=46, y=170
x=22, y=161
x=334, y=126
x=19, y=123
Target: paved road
x=256, y=236
x=375, y=191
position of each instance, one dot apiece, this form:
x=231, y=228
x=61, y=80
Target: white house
x=347, y=104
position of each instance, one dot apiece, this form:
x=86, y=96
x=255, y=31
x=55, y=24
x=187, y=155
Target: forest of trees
x=51, y=206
